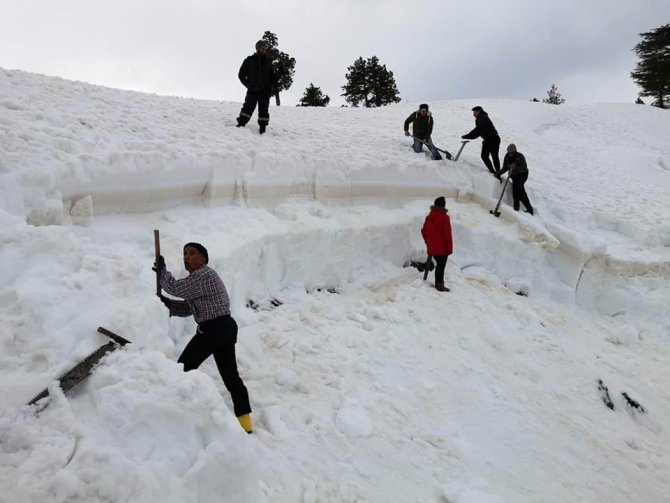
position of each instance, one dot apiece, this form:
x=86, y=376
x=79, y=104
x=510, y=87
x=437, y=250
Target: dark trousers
x=491, y=147
x=249, y=106
x=218, y=337
x=440, y=264
x=519, y=192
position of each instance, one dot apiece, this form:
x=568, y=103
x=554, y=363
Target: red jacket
x=436, y=232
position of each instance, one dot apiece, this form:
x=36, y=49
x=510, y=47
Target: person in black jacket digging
x=257, y=76
x=491, y=141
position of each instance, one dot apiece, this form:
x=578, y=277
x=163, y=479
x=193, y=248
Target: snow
x=366, y=383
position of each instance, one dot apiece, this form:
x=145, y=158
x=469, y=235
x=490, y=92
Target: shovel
x=496, y=212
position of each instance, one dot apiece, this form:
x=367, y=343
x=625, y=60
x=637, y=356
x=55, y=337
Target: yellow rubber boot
x=245, y=422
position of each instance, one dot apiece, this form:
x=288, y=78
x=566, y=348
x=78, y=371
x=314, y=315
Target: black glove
x=464, y=137
x=164, y=300
x=159, y=265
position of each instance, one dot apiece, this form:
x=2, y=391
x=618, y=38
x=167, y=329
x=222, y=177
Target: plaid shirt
x=205, y=296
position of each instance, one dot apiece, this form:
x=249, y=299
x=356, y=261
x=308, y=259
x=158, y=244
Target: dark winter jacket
x=519, y=161
x=422, y=127
x=436, y=232
x=483, y=127
x=256, y=74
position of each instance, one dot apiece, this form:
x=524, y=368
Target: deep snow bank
x=127, y=152
x=598, y=172
x=143, y=431
x=323, y=372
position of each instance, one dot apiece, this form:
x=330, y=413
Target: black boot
x=261, y=129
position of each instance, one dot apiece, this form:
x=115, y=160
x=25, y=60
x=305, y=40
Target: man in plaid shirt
x=205, y=297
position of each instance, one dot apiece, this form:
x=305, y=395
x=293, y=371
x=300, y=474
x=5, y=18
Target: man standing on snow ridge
x=491, y=141
x=205, y=297
x=422, y=128
x=436, y=232
x=256, y=74
x=515, y=163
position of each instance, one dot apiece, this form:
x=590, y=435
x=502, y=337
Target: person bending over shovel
x=436, y=232
x=205, y=297
x=515, y=163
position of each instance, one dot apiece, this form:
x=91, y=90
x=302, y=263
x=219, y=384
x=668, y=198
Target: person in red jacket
x=436, y=232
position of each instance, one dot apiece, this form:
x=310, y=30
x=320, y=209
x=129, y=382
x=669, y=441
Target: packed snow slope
x=366, y=383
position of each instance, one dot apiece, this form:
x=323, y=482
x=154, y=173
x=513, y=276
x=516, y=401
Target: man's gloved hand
x=164, y=300
x=464, y=137
x=159, y=265
x=406, y=133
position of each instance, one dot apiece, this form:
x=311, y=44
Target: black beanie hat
x=440, y=201
x=201, y=250
x=477, y=109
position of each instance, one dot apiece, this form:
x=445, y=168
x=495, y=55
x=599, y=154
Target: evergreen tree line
x=370, y=84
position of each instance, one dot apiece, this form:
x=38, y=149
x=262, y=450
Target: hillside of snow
x=366, y=383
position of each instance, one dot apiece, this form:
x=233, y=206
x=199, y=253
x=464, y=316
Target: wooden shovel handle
x=157, y=249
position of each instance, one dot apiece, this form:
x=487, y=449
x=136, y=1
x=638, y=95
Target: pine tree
x=639, y=101
x=357, y=88
x=554, y=96
x=313, y=97
x=370, y=83
x=283, y=66
x=652, y=72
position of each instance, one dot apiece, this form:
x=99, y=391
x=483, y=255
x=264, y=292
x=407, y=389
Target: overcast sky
x=437, y=50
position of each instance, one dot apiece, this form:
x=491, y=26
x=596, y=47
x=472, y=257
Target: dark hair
x=477, y=109
x=201, y=250
x=440, y=202
x=422, y=106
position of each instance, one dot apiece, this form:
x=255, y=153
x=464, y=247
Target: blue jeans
x=418, y=147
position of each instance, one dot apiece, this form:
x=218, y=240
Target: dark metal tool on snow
x=420, y=265
x=84, y=368
x=116, y=338
x=496, y=212
x=428, y=268
x=605, y=394
x=632, y=403
x=460, y=150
